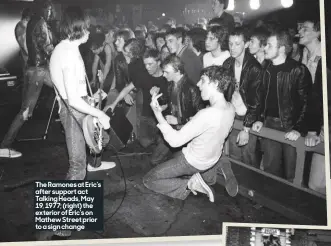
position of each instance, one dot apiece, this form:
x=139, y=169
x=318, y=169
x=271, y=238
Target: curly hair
x=226, y=83
x=135, y=47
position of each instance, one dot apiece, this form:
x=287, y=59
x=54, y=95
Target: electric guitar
x=95, y=136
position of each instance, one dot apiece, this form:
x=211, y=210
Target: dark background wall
x=10, y=11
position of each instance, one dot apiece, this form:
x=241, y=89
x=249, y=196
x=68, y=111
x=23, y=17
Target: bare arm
x=186, y=133
x=20, y=34
x=107, y=66
x=126, y=90
x=95, y=67
x=73, y=98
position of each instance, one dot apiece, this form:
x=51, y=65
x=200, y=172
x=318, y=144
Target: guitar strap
x=58, y=95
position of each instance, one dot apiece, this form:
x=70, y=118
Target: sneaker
x=104, y=166
x=9, y=153
x=231, y=184
x=196, y=183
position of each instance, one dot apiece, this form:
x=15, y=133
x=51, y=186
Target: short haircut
x=261, y=34
x=142, y=27
x=125, y=33
x=225, y=2
x=172, y=21
x=240, y=31
x=178, y=32
x=153, y=28
x=152, y=34
x=187, y=27
x=166, y=27
x=159, y=35
x=220, y=32
x=97, y=41
x=26, y=13
x=226, y=82
x=111, y=28
x=198, y=37
x=175, y=62
x=74, y=23
x=136, y=47
x=152, y=53
x=239, y=16
x=140, y=34
x=316, y=24
x=283, y=39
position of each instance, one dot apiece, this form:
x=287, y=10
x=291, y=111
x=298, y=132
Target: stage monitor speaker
x=120, y=129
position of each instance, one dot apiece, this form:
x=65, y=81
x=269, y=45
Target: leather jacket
x=39, y=41
x=294, y=87
x=189, y=99
x=121, y=72
x=249, y=85
x=315, y=105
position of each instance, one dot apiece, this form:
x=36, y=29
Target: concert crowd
x=181, y=86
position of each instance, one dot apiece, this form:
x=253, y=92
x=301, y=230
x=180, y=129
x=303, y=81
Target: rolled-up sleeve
x=176, y=138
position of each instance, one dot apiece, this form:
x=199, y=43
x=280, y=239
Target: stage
x=143, y=213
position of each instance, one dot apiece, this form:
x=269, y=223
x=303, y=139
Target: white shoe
x=9, y=153
x=196, y=183
x=104, y=166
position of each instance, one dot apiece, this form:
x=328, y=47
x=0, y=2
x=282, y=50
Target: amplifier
x=7, y=79
x=8, y=89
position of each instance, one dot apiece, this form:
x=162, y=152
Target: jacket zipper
x=265, y=102
x=280, y=118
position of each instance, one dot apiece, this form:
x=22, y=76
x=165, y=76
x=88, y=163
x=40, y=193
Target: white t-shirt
x=66, y=55
x=206, y=133
x=209, y=60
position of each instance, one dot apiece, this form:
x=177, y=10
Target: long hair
x=39, y=6
x=74, y=23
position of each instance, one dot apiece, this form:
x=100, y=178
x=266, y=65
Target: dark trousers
x=75, y=142
x=279, y=158
x=34, y=79
x=171, y=177
x=247, y=153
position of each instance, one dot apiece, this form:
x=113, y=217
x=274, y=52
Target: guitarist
x=68, y=75
x=39, y=48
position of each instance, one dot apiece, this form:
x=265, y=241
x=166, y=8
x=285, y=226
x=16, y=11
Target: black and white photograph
x=271, y=236
x=139, y=119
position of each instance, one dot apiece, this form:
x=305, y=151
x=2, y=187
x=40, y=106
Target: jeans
x=247, y=153
x=171, y=177
x=148, y=132
x=75, y=142
x=279, y=158
x=34, y=79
